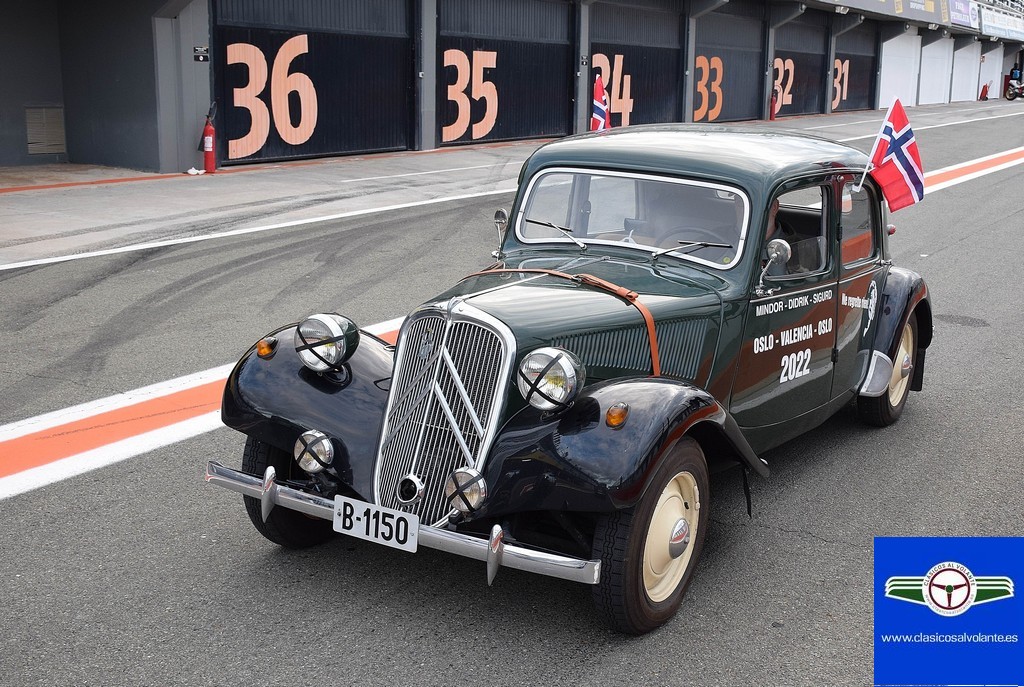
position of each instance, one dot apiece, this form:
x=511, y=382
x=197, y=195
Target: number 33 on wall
x=282, y=83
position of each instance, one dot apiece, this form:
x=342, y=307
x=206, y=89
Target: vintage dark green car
x=665, y=301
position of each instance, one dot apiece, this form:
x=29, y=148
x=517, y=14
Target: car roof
x=754, y=158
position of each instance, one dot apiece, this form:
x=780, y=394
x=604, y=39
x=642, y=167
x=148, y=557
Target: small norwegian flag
x=896, y=162
x=599, y=118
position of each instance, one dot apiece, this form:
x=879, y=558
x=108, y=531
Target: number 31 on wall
x=281, y=85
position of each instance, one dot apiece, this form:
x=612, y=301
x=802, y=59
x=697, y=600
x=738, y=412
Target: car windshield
x=703, y=222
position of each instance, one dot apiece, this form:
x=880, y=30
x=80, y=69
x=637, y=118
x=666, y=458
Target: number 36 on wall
x=282, y=83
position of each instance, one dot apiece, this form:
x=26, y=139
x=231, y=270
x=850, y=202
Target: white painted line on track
x=910, y=111
x=116, y=452
x=973, y=175
x=251, y=230
x=935, y=126
x=103, y=405
x=419, y=174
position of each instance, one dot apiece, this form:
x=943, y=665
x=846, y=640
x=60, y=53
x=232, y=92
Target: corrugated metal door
x=799, y=71
x=901, y=65
x=729, y=68
x=853, y=74
x=637, y=53
x=505, y=69
x=936, y=72
x=312, y=77
x=966, y=68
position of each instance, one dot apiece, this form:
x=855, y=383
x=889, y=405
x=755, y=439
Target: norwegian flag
x=599, y=119
x=896, y=163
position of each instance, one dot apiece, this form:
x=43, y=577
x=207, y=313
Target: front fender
x=277, y=399
x=575, y=462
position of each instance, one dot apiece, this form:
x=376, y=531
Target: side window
x=798, y=218
x=857, y=222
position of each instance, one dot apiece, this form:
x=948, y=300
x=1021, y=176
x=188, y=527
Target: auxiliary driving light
x=465, y=490
x=313, y=451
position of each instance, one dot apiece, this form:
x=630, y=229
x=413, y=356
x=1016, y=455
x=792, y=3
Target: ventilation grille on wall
x=45, y=127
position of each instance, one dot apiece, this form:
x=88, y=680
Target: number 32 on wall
x=282, y=83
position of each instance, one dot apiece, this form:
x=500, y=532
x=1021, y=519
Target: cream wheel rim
x=898, y=381
x=679, y=501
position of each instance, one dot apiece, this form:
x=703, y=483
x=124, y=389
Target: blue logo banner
x=947, y=611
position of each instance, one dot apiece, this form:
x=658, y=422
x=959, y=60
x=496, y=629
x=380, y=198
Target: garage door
x=312, y=78
x=505, y=70
x=728, y=69
x=637, y=53
x=799, y=65
x=853, y=74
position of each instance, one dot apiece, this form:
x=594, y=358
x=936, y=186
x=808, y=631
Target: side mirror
x=501, y=224
x=779, y=252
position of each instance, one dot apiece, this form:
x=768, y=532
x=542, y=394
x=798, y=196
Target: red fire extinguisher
x=209, y=145
x=772, y=104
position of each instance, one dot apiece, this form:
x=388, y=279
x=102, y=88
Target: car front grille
x=450, y=380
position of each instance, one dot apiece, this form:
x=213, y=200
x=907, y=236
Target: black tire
x=886, y=409
x=622, y=595
x=1011, y=93
x=286, y=527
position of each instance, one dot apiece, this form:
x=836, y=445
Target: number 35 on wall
x=282, y=83
x=481, y=89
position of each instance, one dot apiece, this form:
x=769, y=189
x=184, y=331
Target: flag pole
x=881, y=128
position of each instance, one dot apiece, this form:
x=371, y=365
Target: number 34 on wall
x=618, y=82
x=282, y=84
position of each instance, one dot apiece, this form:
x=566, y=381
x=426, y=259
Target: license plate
x=374, y=523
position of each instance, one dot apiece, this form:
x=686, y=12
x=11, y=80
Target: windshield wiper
x=689, y=246
x=567, y=232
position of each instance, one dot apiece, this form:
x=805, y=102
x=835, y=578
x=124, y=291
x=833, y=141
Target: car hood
x=604, y=330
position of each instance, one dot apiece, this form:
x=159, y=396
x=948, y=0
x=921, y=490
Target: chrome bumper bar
x=493, y=550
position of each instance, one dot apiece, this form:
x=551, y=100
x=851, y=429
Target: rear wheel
x=286, y=527
x=648, y=552
x=886, y=409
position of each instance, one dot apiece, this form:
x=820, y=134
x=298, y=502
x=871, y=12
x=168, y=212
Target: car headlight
x=550, y=378
x=325, y=342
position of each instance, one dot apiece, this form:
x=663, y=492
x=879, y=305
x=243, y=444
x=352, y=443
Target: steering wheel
x=684, y=233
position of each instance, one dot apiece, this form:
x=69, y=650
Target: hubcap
x=903, y=365
x=680, y=539
x=667, y=550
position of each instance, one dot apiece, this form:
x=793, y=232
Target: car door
x=860, y=282
x=785, y=366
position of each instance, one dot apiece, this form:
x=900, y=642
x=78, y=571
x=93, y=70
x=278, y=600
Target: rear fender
x=905, y=292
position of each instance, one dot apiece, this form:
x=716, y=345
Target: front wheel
x=1011, y=93
x=648, y=552
x=283, y=526
x=886, y=409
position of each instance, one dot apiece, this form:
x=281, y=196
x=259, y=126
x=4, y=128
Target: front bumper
x=493, y=550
